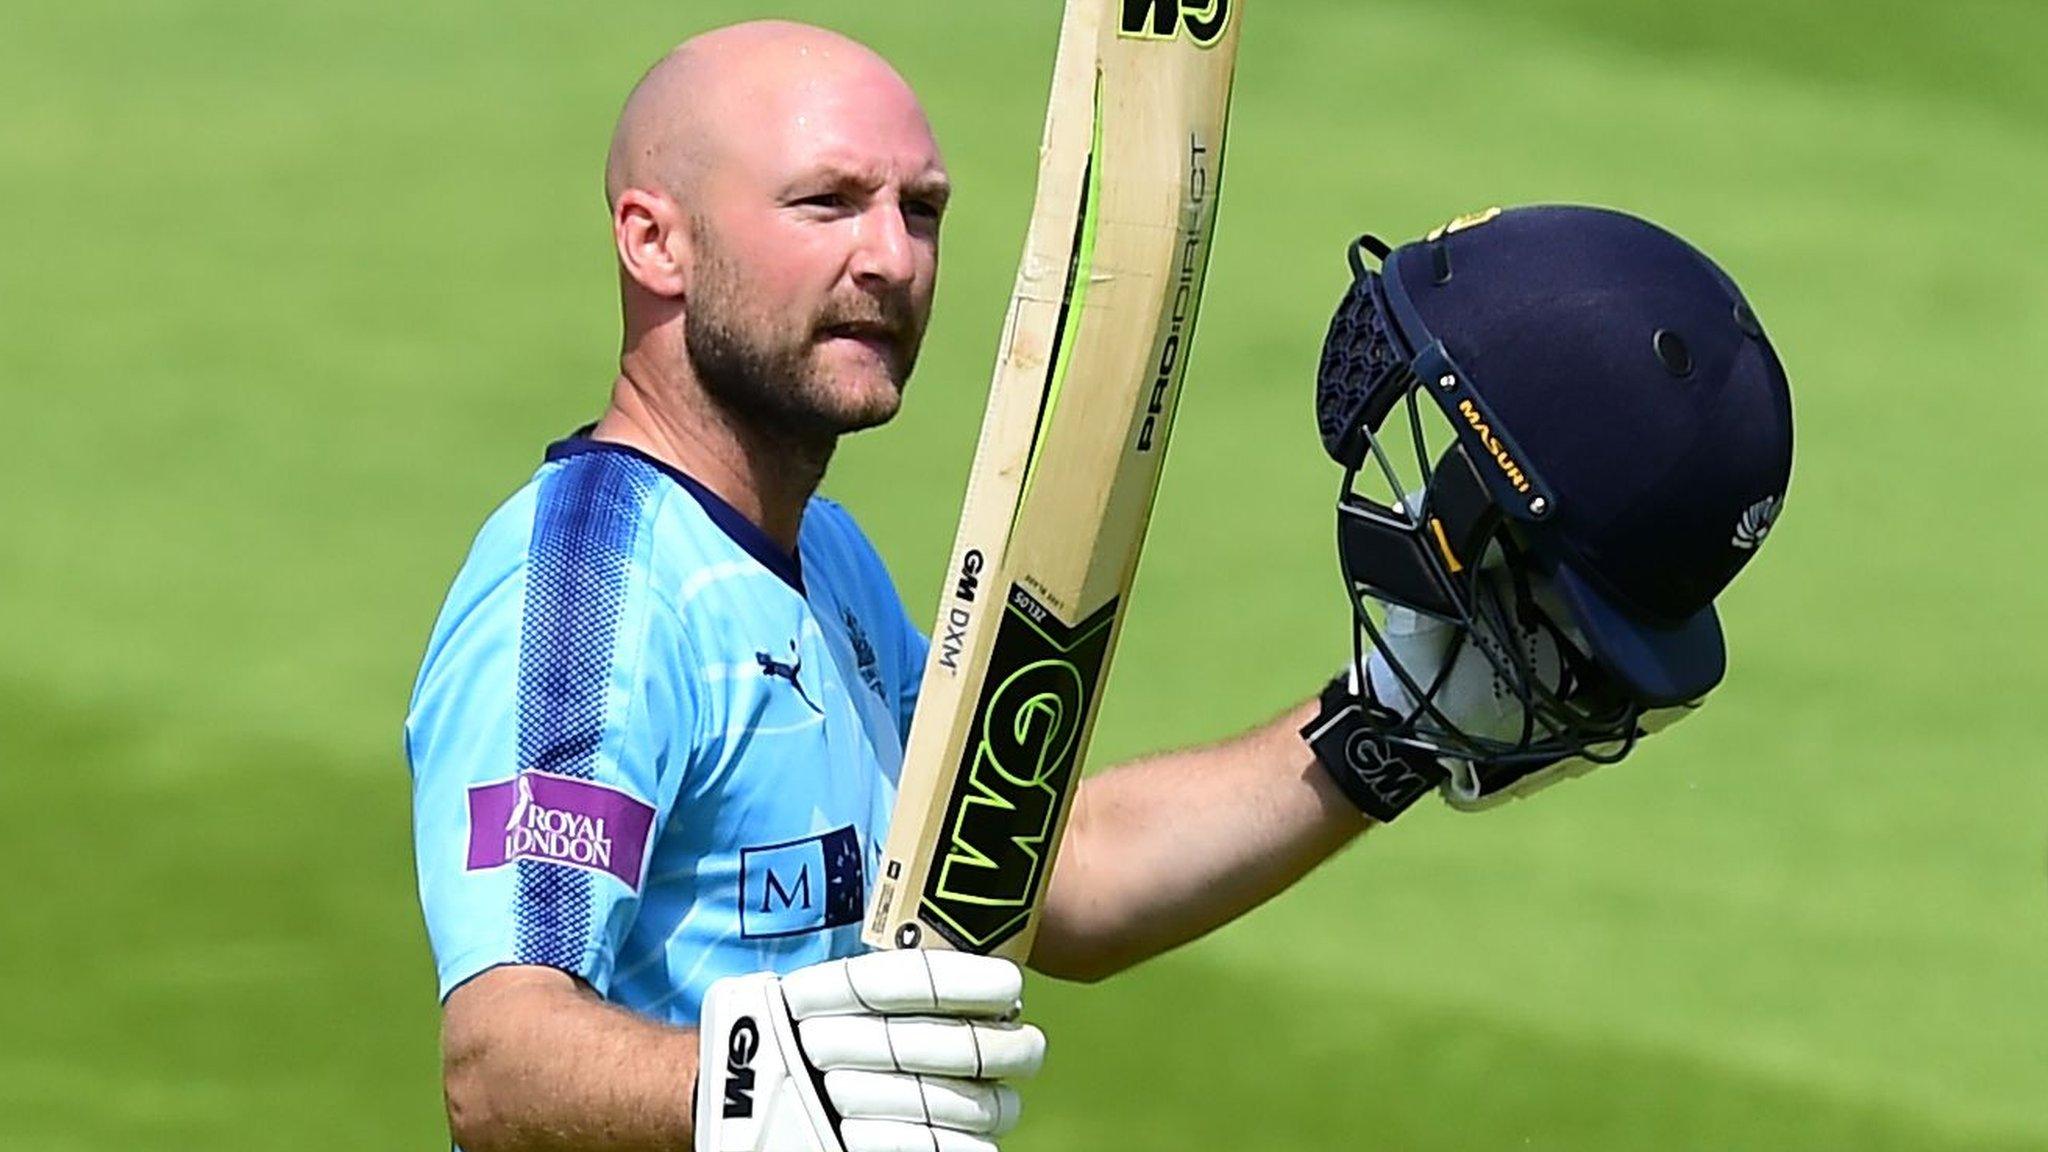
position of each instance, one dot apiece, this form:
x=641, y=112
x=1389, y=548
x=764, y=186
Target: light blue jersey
x=649, y=747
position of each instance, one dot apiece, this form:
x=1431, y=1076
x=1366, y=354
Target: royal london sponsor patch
x=538, y=816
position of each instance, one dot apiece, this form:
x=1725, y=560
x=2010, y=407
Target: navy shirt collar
x=743, y=532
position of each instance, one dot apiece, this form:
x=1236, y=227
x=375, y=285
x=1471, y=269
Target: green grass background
x=292, y=293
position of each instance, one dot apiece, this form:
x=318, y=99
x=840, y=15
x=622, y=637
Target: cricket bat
x=1087, y=381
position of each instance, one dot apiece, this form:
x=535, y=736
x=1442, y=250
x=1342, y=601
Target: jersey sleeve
x=548, y=735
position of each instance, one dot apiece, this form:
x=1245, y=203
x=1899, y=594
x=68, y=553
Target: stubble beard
x=766, y=370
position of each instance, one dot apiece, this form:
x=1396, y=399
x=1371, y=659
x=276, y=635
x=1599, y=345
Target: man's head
x=776, y=196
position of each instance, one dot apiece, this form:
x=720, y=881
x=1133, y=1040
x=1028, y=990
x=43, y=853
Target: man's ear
x=653, y=240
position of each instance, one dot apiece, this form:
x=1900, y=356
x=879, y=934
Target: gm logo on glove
x=739, y=1083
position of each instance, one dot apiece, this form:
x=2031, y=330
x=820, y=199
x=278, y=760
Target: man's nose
x=887, y=253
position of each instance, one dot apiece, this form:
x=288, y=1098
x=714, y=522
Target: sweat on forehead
x=717, y=87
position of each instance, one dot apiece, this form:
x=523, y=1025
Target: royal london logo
x=542, y=833
x=1204, y=20
x=1756, y=523
x=558, y=820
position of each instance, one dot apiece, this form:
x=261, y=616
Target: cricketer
x=656, y=736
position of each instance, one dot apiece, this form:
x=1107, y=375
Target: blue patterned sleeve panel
x=546, y=745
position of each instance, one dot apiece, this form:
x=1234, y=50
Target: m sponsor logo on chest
x=801, y=886
x=559, y=820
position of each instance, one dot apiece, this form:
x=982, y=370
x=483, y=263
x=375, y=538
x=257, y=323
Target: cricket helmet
x=1601, y=436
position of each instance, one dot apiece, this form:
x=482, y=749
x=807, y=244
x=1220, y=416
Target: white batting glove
x=1473, y=695
x=902, y=1051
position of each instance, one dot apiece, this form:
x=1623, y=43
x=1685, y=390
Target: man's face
x=815, y=255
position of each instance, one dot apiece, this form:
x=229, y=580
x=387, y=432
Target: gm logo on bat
x=1204, y=20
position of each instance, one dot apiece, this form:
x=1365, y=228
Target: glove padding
x=901, y=1051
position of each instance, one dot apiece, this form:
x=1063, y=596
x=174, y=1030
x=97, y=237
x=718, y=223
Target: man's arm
x=1164, y=849
x=533, y=1061
x=905, y=1050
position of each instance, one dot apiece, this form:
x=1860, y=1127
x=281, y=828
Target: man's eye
x=831, y=201
x=922, y=210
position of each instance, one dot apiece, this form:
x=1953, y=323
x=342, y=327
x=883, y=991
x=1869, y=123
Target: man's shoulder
x=595, y=493
x=825, y=510
x=570, y=543
x=575, y=512
x=832, y=534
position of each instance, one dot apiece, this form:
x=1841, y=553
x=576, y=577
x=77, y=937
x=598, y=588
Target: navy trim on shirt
x=743, y=532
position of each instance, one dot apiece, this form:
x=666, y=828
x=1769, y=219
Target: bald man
x=656, y=735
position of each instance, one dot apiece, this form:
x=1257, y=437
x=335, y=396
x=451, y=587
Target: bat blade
x=1087, y=381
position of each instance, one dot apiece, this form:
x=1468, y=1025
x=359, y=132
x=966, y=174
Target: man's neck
x=765, y=478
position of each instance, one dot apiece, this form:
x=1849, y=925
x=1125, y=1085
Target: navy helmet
x=1619, y=425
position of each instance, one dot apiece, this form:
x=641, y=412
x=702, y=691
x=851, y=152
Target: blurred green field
x=292, y=294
